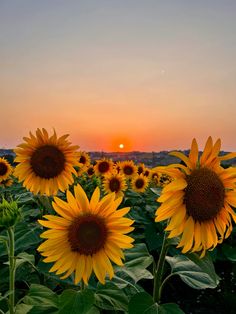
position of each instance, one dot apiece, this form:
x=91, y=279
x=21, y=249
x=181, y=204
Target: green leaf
x=23, y=308
x=27, y=235
x=93, y=310
x=140, y=216
x=74, y=302
x=229, y=252
x=142, y=303
x=156, y=191
x=195, y=272
x=24, y=257
x=110, y=297
x=153, y=240
x=3, y=239
x=169, y=308
x=42, y=296
x=138, y=254
x=137, y=260
x=26, y=197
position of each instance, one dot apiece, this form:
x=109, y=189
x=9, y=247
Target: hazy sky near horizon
x=149, y=74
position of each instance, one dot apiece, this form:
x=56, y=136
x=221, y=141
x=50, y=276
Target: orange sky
x=151, y=76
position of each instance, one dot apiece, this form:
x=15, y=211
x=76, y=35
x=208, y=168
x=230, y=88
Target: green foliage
x=110, y=297
x=195, y=272
x=130, y=291
x=142, y=303
x=71, y=301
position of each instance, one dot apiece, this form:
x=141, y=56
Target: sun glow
x=121, y=146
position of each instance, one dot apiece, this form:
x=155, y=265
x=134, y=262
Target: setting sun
x=121, y=146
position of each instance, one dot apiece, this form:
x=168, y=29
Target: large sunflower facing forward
x=87, y=236
x=198, y=201
x=5, y=169
x=46, y=163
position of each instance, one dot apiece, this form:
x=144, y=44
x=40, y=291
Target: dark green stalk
x=12, y=269
x=158, y=272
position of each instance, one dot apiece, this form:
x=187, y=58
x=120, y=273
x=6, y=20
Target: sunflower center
x=103, y=167
x=3, y=169
x=140, y=170
x=146, y=173
x=87, y=234
x=114, y=185
x=82, y=160
x=128, y=170
x=139, y=183
x=204, y=194
x=90, y=171
x=47, y=161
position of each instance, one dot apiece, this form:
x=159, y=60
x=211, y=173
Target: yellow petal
x=207, y=150
x=79, y=268
x=187, y=237
x=95, y=198
x=183, y=157
x=81, y=198
x=98, y=269
x=176, y=185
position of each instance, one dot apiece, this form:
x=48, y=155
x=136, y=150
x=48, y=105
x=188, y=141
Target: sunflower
x=199, y=201
x=114, y=182
x=139, y=183
x=90, y=171
x=84, y=159
x=87, y=236
x=5, y=169
x=154, y=176
x=46, y=163
x=164, y=179
x=6, y=183
x=117, y=166
x=140, y=168
x=128, y=168
x=103, y=166
x=147, y=172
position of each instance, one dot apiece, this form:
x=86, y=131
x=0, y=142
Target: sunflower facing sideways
x=5, y=169
x=114, y=182
x=198, y=202
x=46, y=163
x=86, y=236
x=90, y=171
x=84, y=159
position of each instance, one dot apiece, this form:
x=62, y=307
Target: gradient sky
x=150, y=74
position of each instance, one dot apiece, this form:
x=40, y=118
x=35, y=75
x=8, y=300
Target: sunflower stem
x=44, y=201
x=12, y=269
x=82, y=285
x=158, y=272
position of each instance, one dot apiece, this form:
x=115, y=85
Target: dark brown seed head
x=87, y=234
x=47, y=161
x=204, y=194
x=114, y=185
x=103, y=166
x=3, y=169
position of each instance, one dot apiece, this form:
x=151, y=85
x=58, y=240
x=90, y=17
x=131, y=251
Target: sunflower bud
x=9, y=213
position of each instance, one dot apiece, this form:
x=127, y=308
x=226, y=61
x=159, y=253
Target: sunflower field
x=98, y=236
